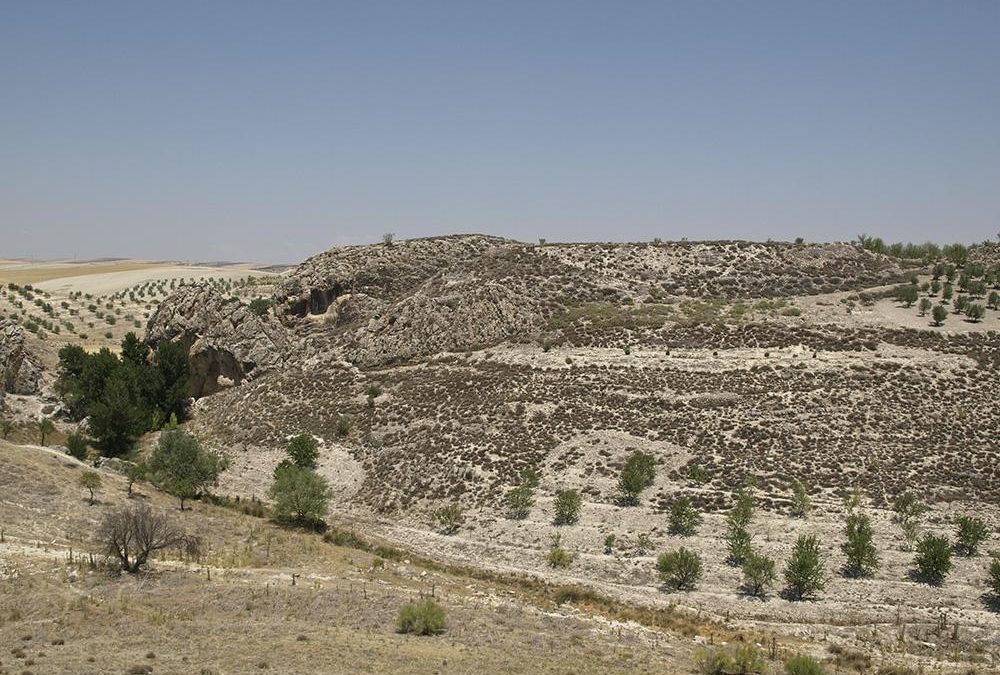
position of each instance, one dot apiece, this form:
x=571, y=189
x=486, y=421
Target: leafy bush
x=180, y=466
x=758, y=573
x=519, y=502
x=260, y=306
x=568, y=503
x=303, y=451
x=558, y=556
x=680, y=569
x=638, y=474
x=90, y=481
x=299, y=495
x=994, y=578
x=939, y=314
x=448, y=519
x=744, y=660
x=971, y=532
x=801, y=504
x=800, y=664
x=76, y=445
x=933, y=559
x=804, y=572
x=421, y=617
x=684, y=519
x=862, y=556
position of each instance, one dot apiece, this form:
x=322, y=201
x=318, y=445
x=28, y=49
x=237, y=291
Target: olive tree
x=970, y=533
x=568, y=503
x=758, y=573
x=180, y=466
x=939, y=314
x=933, y=559
x=680, y=569
x=862, y=556
x=684, y=519
x=303, y=450
x=90, y=481
x=299, y=495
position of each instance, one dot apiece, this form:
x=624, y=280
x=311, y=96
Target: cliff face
x=20, y=372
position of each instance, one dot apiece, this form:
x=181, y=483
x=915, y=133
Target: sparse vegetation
x=933, y=559
x=680, y=569
x=568, y=503
x=180, y=466
x=804, y=573
x=421, y=617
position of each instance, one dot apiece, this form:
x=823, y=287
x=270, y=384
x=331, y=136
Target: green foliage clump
x=804, y=572
x=739, y=540
x=448, y=519
x=862, y=556
x=994, y=578
x=638, y=474
x=568, y=504
x=558, y=556
x=758, y=573
x=939, y=314
x=684, y=519
x=303, y=450
x=970, y=533
x=800, y=664
x=680, y=569
x=76, y=445
x=299, y=495
x=933, y=559
x=421, y=617
x=519, y=502
x=124, y=396
x=181, y=467
x=260, y=306
x=801, y=503
x=744, y=660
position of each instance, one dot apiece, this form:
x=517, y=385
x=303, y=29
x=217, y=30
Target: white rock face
x=19, y=371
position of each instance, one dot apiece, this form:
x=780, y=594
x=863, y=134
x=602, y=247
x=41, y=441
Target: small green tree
x=76, y=445
x=568, y=504
x=299, y=495
x=939, y=314
x=448, y=519
x=739, y=540
x=960, y=304
x=45, y=427
x=804, y=572
x=801, y=504
x=680, y=569
x=421, y=617
x=993, y=300
x=758, y=573
x=182, y=467
x=947, y=292
x=862, y=556
x=933, y=559
x=90, y=481
x=994, y=578
x=970, y=533
x=638, y=474
x=609, y=544
x=975, y=312
x=519, y=502
x=907, y=294
x=135, y=472
x=684, y=519
x=303, y=450
x=925, y=306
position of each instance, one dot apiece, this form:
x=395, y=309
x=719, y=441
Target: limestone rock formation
x=227, y=342
x=20, y=372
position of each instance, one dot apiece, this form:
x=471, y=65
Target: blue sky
x=268, y=131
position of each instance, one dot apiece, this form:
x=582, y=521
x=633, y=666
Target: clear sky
x=268, y=131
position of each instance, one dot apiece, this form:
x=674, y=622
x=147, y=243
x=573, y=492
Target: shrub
x=45, y=427
x=680, y=569
x=804, y=571
x=758, y=573
x=975, y=312
x=90, y=481
x=994, y=578
x=609, y=544
x=906, y=294
x=558, y=556
x=519, y=502
x=260, y=306
x=76, y=445
x=181, y=467
x=801, y=504
x=299, y=495
x=343, y=425
x=303, y=451
x=745, y=660
x=800, y=664
x=933, y=559
x=925, y=305
x=862, y=557
x=684, y=519
x=939, y=314
x=568, y=503
x=971, y=532
x=739, y=541
x=421, y=617
x=448, y=519
x=638, y=474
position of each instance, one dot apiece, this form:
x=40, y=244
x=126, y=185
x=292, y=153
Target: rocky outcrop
x=445, y=314
x=20, y=372
x=226, y=341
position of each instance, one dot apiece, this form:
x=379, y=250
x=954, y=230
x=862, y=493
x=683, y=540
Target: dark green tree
x=758, y=573
x=970, y=533
x=303, y=450
x=858, y=547
x=117, y=418
x=299, y=495
x=939, y=314
x=684, y=519
x=568, y=503
x=638, y=474
x=680, y=569
x=804, y=572
x=933, y=559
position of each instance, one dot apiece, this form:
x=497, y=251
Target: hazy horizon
x=259, y=132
